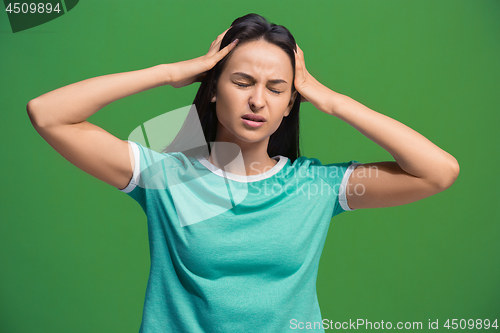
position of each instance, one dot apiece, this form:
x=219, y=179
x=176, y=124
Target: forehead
x=260, y=59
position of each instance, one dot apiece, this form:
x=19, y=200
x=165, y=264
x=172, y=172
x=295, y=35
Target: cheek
x=223, y=109
x=229, y=103
x=221, y=114
x=276, y=121
x=281, y=106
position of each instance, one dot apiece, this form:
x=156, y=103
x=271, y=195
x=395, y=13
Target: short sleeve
x=337, y=175
x=342, y=193
x=149, y=172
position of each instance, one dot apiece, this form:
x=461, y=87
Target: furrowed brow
x=249, y=77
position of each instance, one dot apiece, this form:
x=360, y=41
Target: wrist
x=336, y=102
x=164, y=72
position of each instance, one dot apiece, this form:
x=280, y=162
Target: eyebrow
x=247, y=76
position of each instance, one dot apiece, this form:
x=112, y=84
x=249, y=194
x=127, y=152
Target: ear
x=290, y=104
x=213, y=99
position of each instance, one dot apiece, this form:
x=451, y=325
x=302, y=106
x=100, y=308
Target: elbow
x=33, y=105
x=32, y=108
x=449, y=174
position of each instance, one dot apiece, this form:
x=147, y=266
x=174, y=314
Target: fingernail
x=235, y=41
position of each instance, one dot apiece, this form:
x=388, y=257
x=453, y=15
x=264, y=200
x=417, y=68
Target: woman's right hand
x=186, y=72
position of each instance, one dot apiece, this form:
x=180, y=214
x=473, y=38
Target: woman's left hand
x=309, y=88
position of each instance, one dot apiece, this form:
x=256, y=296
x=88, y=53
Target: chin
x=252, y=137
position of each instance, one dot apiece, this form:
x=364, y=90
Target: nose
x=256, y=99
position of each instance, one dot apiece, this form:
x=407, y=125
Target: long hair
x=285, y=140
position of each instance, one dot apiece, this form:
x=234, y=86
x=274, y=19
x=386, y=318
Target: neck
x=254, y=159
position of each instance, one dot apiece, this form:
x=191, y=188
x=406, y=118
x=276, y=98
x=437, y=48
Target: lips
x=254, y=117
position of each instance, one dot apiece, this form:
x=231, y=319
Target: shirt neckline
x=240, y=178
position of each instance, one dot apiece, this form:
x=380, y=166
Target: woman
x=236, y=229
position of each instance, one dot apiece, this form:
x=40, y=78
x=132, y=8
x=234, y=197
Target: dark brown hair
x=285, y=140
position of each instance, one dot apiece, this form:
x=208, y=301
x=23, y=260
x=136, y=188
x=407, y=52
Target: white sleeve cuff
x=137, y=168
x=343, y=185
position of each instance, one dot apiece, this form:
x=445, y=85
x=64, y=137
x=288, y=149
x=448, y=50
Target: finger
x=222, y=53
x=215, y=56
x=299, y=50
x=298, y=62
x=221, y=36
x=214, y=47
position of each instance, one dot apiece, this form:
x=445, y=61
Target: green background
x=74, y=250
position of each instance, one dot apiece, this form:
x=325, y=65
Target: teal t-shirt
x=233, y=253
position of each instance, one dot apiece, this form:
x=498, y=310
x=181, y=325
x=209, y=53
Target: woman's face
x=257, y=80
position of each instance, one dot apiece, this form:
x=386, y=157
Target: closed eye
x=246, y=85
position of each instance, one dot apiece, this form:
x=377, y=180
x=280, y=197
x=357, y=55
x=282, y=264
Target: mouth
x=253, y=120
x=253, y=117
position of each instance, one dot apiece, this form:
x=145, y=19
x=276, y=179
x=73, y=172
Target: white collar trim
x=245, y=179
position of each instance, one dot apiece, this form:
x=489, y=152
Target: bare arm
x=59, y=116
x=421, y=168
x=76, y=102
